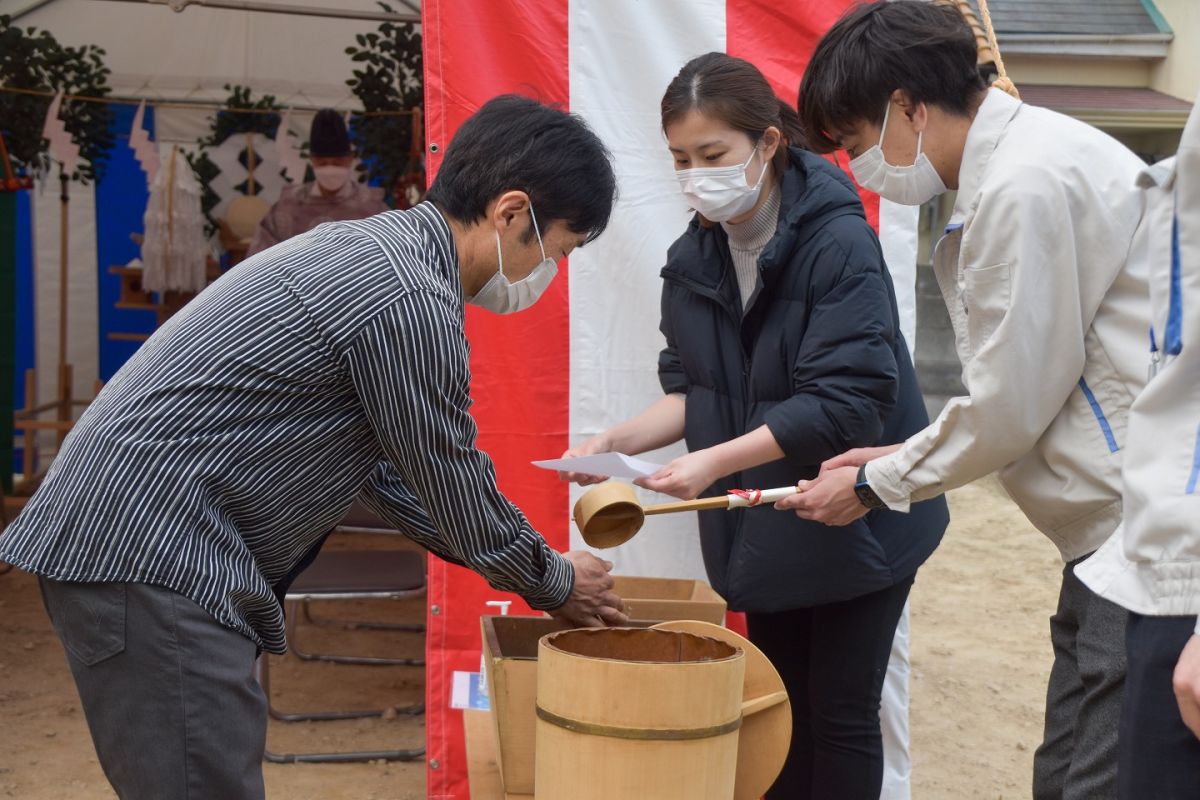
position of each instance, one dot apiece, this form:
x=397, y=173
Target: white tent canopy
x=177, y=58
x=190, y=55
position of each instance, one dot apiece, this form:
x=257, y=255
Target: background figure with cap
x=332, y=196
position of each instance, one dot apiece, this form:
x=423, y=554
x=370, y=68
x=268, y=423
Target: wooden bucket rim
x=546, y=640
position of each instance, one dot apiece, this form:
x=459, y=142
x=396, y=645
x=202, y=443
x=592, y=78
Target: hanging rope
x=1002, y=82
x=133, y=101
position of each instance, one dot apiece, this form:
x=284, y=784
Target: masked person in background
x=334, y=195
x=783, y=348
x=1047, y=294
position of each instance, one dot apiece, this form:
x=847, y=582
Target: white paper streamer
x=144, y=150
x=62, y=146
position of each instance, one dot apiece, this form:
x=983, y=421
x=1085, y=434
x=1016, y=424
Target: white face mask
x=331, y=177
x=501, y=296
x=910, y=185
x=721, y=193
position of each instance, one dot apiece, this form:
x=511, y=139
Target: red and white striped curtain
x=585, y=356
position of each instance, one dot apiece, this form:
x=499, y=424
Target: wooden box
x=669, y=599
x=483, y=774
x=510, y=648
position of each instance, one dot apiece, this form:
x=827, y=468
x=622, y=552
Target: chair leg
x=414, y=754
x=299, y=652
x=263, y=672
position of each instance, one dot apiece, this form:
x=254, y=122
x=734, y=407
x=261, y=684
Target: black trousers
x=1160, y=757
x=833, y=659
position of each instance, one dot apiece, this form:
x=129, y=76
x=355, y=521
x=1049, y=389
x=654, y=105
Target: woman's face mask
x=721, y=193
x=909, y=185
x=501, y=296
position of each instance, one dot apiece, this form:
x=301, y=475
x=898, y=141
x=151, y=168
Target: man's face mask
x=909, y=185
x=331, y=177
x=721, y=193
x=501, y=296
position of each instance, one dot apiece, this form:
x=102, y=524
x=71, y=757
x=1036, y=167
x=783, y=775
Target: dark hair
x=927, y=49
x=735, y=92
x=513, y=142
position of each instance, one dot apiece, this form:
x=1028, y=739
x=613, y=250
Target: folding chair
x=350, y=575
x=375, y=571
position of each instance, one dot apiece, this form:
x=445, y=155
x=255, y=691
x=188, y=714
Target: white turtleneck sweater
x=747, y=241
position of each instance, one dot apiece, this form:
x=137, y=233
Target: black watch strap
x=866, y=495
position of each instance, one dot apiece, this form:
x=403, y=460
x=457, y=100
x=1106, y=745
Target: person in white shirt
x=1152, y=567
x=1047, y=296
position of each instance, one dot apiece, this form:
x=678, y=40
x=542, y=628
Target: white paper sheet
x=614, y=465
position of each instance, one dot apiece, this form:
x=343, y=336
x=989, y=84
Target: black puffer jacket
x=818, y=357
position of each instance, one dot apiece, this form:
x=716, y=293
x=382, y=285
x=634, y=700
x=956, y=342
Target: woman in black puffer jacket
x=784, y=350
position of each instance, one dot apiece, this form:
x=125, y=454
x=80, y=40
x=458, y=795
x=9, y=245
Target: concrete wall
x=1179, y=73
x=1075, y=71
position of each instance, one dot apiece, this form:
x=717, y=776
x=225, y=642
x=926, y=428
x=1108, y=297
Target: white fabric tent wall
x=82, y=323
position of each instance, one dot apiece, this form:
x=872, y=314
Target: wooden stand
x=30, y=419
x=133, y=297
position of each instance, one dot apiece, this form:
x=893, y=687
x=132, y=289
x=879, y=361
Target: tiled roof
x=1069, y=17
x=1101, y=98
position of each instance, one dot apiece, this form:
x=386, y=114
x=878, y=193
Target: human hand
x=592, y=603
x=685, y=477
x=1187, y=684
x=829, y=499
x=859, y=456
x=597, y=444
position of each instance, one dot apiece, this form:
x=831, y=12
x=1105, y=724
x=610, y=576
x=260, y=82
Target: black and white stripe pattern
x=331, y=365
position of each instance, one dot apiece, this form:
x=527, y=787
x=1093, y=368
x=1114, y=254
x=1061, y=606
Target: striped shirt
x=331, y=366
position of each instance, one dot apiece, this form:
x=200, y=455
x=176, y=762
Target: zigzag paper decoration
x=62, y=146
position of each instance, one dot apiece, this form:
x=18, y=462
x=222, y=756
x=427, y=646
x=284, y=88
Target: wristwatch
x=866, y=495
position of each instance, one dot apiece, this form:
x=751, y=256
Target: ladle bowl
x=609, y=514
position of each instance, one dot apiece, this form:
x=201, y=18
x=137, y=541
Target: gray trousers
x=169, y=694
x=1077, y=759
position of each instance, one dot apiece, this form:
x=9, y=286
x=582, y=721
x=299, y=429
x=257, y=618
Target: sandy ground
x=980, y=657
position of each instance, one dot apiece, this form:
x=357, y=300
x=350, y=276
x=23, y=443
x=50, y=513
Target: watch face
x=866, y=495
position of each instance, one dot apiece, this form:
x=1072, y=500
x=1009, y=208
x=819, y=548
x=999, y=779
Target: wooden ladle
x=610, y=514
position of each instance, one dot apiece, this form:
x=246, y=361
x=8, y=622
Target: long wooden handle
x=703, y=504
x=764, y=497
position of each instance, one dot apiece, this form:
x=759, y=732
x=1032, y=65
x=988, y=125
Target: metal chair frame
x=297, y=604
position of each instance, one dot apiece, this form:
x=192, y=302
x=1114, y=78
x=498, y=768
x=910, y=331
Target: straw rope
x=1002, y=82
x=190, y=106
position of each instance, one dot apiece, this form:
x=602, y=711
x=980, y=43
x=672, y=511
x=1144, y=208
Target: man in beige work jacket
x=1050, y=321
x=1152, y=568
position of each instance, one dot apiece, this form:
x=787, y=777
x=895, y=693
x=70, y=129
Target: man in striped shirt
x=331, y=366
